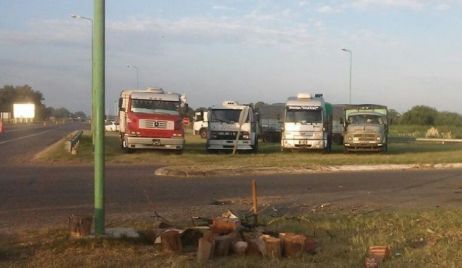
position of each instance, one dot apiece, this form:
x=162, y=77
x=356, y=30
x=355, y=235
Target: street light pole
x=137, y=74
x=99, y=34
x=93, y=86
x=351, y=65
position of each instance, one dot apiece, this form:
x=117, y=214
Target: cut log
x=256, y=246
x=79, y=226
x=222, y=245
x=310, y=245
x=171, y=241
x=273, y=246
x=293, y=244
x=224, y=226
x=205, y=250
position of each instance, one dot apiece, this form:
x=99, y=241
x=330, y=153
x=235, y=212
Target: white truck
x=307, y=123
x=151, y=119
x=232, y=124
x=200, y=124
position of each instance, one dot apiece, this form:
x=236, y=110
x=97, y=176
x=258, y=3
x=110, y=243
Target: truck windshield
x=155, y=106
x=361, y=119
x=303, y=116
x=226, y=116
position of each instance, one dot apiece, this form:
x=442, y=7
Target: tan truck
x=365, y=128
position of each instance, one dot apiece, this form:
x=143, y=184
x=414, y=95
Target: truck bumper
x=154, y=143
x=365, y=147
x=229, y=145
x=303, y=144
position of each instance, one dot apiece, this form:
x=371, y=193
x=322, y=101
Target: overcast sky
x=405, y=52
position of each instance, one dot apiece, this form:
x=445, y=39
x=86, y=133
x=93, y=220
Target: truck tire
x=203, y=133
x=255, y=146
x=385, y=148
x=124, y=147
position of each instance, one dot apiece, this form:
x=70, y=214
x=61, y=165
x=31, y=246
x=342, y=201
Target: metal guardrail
x=408, y=139
x=438, y=140
x=72, y=141
x=401, y=139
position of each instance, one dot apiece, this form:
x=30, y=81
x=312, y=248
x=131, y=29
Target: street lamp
x=93, y=113
x=351, y=65
x=137, y=74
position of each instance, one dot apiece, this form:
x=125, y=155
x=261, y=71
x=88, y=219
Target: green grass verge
x=419, y=131
x=429, y=238
x=269, y=155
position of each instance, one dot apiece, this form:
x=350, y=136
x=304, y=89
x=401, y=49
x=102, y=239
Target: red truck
x=151, y=119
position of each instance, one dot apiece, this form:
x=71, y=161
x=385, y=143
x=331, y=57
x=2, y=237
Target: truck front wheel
x=124, y=147
x=255, y=146
x=203, y=133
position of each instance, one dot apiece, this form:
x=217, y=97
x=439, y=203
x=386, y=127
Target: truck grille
x=156, y=124
x=364, y=137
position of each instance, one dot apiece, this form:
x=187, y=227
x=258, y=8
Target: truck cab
x=151, y=119
x=200, y=124
x=230, y=124
x=307, y=123
x=366, y=128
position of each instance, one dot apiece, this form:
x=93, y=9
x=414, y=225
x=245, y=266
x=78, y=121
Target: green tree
x=21, y=94
x=61, y=113
x=448, y=119
x=394, y=117
x=420, y=115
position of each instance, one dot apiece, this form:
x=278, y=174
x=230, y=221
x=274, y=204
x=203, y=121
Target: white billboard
x=24, y=110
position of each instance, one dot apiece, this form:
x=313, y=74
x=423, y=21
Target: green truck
x=365, y=128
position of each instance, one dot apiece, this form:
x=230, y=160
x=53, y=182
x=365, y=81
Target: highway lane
x=18, y=145
x=42, y=195
x=45, y=194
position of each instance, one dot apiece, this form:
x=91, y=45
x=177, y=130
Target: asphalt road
x=45, y=194
x=18, y=144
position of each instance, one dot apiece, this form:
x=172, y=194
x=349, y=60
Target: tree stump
x=294, y=244
x=273, y=246
x=80, y=226
x=171, y=241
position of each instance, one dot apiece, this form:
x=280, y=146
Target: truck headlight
x=379, y=138
x=350, y=138
x=245, y=136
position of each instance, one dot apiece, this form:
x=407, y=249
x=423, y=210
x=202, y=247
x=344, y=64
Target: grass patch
x=430, y=238
x=419, y=131
x=269, y=155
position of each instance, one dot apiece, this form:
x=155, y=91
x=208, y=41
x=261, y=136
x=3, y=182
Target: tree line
x=425, y=115
x=25, y=94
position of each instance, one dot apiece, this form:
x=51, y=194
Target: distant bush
x=428, y=116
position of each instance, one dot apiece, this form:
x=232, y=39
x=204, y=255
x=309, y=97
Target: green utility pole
x=98, y=103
